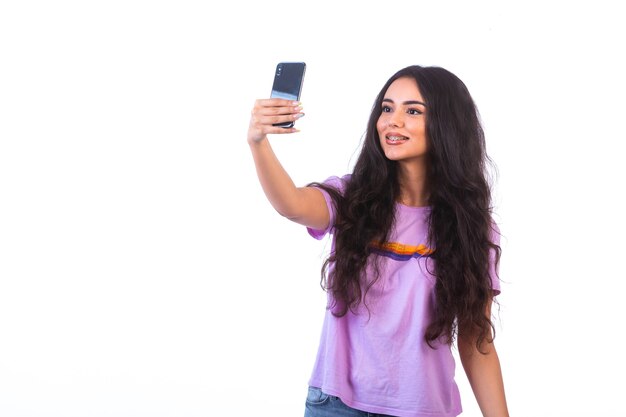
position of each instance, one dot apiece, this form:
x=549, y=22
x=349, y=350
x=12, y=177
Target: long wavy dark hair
x=460, y=222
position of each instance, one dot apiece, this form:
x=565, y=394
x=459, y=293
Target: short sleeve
x=339, y=184
x=493, y=265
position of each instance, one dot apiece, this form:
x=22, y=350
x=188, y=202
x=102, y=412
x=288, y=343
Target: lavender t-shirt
x=376, y=360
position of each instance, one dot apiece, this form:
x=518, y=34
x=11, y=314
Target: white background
x=142, y=271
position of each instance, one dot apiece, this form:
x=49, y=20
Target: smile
x=396, y=138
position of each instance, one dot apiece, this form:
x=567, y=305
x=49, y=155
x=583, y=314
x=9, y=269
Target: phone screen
x=288, y=80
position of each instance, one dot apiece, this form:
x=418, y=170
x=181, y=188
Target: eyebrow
x=408, y=102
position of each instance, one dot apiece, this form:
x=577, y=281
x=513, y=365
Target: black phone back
x=288, y=80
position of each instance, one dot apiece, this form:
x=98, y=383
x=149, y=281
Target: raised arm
x=484, y=373
x=303, y=205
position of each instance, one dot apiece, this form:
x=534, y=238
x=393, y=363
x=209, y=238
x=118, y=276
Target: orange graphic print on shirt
x=400, y=251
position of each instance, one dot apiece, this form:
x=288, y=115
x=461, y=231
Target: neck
x=412, y=180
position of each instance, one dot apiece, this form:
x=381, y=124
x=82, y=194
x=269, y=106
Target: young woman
x=412, y=268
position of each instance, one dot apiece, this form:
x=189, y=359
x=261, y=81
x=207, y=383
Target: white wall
x=143, y=273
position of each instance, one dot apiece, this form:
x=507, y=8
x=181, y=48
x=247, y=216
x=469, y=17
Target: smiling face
x=402, y=123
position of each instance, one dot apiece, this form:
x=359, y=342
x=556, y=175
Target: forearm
x=485, y=377
x=277, y=185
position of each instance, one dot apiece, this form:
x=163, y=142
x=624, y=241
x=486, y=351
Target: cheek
x=419, y=128
x=380, y=125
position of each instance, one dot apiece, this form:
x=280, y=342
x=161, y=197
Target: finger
x=276, y=106
x=276, y=102
x=275, y=111
x=271, y=120
x=275, y=130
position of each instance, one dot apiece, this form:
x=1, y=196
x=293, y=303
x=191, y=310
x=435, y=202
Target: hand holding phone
x=288, y=80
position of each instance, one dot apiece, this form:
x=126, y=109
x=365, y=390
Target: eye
x=386, y=109
x=414, y=112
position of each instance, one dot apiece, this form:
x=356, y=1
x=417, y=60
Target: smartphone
x=288, y=79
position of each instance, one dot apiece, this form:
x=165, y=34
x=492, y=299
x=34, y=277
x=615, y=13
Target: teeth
x=396, y=138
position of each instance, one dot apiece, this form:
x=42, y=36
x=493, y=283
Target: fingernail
x=299, y=115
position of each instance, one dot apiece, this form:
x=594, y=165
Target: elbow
x=291, y=215
x=287, y=213
x=470, y=347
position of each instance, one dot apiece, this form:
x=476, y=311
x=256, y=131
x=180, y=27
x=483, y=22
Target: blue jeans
x=320, y=404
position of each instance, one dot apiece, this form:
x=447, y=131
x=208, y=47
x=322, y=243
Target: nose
x=396, y=119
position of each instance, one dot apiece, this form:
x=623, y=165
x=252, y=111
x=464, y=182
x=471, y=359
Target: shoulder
x=336, y=183
x=494, y=232
x=340, y=183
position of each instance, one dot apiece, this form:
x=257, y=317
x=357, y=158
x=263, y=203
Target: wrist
x=256, y=141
